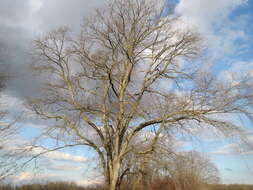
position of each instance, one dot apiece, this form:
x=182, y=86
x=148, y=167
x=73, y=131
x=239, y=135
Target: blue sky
x=226, y=27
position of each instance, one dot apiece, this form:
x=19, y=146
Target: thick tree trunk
x=114, y=175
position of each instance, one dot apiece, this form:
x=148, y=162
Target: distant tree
x=130, y=73
x=7, y=129
x=183, y=170
x=193, y=171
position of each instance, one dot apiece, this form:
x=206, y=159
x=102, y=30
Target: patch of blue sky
x=239, y=22
x=29, y=131
x=235, y=168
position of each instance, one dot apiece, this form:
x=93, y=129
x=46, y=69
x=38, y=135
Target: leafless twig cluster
x=130, y=72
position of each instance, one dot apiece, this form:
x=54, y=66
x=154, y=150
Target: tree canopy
x=132, y=73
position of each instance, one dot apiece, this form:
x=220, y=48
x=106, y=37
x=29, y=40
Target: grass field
x=157, y=186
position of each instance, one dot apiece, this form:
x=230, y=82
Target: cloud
x=15, y=39
x=64, y=167
x=15, y=10
x=21, y=21
x=237, y=71
x=10, y=103
x=14, y=106
x=234, y=149
x=90, y=182
x=31, y=177
x=56, y=165
x=213, y=20
x=65, y=156
x=54, y=13
x=57, y=155
x=241, y=147
x=20, y=146
x=229, y=149
x=211, y=10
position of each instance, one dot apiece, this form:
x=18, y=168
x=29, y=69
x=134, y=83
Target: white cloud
x=207, y=10
x=31, y=177
x=65, y=156
x=9, y=102
x=64, y=167
x=212, y=19
x=57, y=155
x=240, y=148
x=17, y=111
x=25, y=176
x=56, y=165
x=90, y=182
x=229, y=149
x=238, y=71
x=19, y=145
x=28, y=177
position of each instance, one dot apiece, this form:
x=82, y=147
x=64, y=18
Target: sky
x=227, y=30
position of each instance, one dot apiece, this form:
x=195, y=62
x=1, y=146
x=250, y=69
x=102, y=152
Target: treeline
x=48, y=186
x=159, y=185
x=230, y=187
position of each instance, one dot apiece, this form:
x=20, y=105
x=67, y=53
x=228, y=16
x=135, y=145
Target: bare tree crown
x=129, y=72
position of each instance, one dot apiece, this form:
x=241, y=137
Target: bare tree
x=131, y=72
x=193, y=171
x=182, y=170
x=7, y=130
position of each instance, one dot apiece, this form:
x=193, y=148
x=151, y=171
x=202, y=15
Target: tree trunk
x=114, y=175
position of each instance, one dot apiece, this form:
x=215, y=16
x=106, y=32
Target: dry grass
x=158, y=185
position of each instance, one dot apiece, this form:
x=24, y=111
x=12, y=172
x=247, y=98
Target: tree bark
x=114, y=175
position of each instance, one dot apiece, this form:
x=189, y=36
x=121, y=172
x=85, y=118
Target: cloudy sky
x=227, y=30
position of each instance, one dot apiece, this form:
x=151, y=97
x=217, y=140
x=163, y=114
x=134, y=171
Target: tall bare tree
x=7, y=130
x=130, y=73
